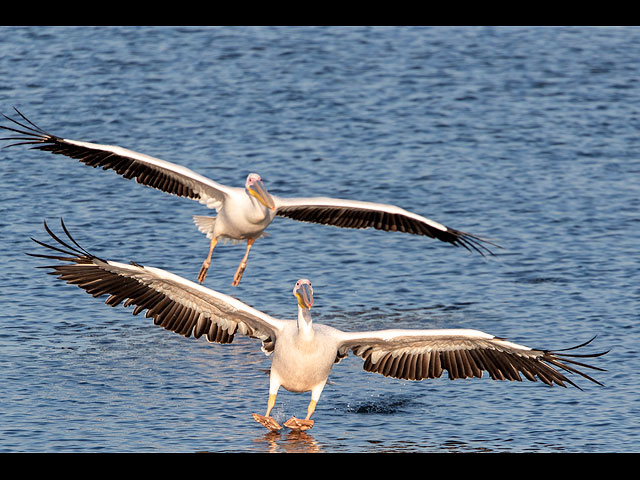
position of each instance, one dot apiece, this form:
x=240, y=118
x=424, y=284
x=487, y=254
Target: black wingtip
x=584, y=355
x=474, y=242
x=565, y=360
x=74, y=252
x=29, y=132
x=36, y=127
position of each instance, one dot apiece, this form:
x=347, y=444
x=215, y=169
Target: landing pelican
x=304, y=352
x=243, y=213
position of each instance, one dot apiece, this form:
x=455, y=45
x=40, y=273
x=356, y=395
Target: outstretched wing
x=150, y=171
x=356, y=214
x=420, y=354
x=173, y=302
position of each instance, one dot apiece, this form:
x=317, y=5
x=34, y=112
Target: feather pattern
x=190, y=309
x=389, y=218
x=172, y=302
x=152, y=172
x=420, y=354
x=181, y=181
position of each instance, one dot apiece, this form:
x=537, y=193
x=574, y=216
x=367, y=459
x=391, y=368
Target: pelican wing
x=150, y=171
x=420, y=354
x=357, y=214
x=174, y=303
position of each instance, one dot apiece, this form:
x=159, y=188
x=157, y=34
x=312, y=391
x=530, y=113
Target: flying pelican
x=304, y=352
x=243, y=213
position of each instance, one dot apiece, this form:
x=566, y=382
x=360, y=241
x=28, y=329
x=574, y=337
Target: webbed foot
x=203, y=271
x=298, y=424
x=267, y=422
x=238, y=276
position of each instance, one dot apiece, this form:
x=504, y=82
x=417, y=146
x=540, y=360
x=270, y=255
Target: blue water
x=525, y=135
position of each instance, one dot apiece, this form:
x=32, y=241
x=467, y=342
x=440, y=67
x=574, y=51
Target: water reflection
x=291, y=442
x=458, y=446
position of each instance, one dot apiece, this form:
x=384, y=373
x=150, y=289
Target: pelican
x=243, y=213
x=303, y=352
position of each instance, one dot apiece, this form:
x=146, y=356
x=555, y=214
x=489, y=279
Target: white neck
x=304, y=322
x=257, y=213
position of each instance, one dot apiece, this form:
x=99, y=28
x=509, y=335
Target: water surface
x=525, y=135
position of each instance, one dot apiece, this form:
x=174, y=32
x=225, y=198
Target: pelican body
x=243, y=213
x=246, y=214
x=304, y=352
x=243, y=216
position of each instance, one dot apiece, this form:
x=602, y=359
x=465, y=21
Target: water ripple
x=524, y=135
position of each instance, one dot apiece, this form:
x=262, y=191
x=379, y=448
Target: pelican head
x=256, y=188
x=304, y=293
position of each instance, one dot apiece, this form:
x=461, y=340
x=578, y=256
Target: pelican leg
x=205, y=265
x=243, y=264
x=267, y=420
x=301, y=425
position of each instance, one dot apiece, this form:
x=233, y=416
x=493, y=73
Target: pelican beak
x=258, y=190
x=304, y=294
